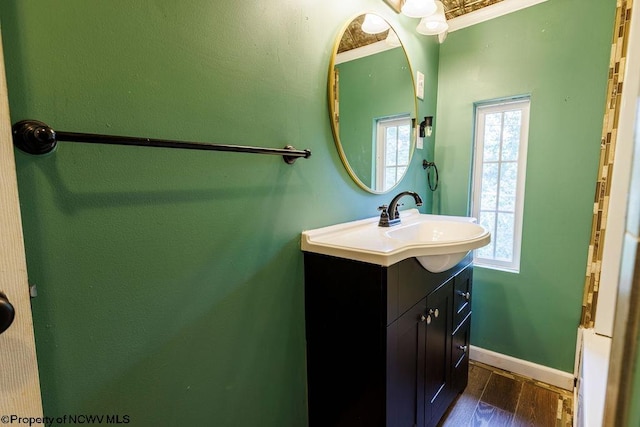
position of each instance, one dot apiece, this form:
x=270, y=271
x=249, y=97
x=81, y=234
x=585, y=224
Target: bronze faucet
x=390, y=215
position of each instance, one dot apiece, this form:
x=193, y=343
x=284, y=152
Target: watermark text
x=80, y=419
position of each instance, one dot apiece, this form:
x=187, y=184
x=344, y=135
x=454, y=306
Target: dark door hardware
x=7, y=313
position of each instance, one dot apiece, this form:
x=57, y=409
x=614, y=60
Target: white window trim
x=521, y=103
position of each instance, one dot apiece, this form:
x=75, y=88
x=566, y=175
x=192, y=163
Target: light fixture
x=373, y=24
x=434, y=24
x=418, y=8
x=426, y=127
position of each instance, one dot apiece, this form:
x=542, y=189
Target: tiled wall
x=607, y=150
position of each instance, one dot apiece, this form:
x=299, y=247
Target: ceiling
x=353, y=37
x=455, y=8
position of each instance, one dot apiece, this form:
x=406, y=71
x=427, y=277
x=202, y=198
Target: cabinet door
x=405, y=367
x=438, y=352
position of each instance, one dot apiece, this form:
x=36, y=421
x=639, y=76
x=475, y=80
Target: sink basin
x=436, y=232
x=438, y=242
x=459, y=236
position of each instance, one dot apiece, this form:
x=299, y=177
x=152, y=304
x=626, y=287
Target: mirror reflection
x=372, y=102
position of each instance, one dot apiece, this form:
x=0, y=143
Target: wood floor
x=496, y=398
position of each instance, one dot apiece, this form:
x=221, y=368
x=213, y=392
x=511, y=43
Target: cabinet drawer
x=460, y=355
x=410, y=282
x=462, y=296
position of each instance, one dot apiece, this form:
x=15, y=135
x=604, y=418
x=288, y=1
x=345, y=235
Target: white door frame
x=617, y=211
x=19, y=379
x=624, y=301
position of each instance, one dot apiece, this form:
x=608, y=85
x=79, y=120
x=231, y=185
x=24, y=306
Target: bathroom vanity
x=388, y=311
x=386, y=345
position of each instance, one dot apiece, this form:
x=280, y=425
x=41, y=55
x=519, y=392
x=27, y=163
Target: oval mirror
x=372, y=103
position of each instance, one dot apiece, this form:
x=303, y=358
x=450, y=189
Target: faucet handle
x=385, y=212
x=384, y=216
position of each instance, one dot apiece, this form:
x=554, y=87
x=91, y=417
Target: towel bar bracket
x=35, y=137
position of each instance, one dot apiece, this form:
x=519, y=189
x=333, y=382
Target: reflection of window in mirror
x=392, y=147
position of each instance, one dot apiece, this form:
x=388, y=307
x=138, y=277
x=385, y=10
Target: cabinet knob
x=426, y=319
x=465, y=295
x=463, y=348
x=431, y=312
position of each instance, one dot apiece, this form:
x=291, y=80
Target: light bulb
x=373, y=24
x=434, y=24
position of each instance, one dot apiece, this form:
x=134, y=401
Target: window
x=500, y=157
x=393, y=146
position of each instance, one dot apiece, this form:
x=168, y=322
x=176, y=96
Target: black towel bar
x=34, y=137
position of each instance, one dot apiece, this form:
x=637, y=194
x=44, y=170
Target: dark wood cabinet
x=437, y=352
x=386, y=346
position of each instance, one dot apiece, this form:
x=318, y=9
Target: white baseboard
x=525, y=368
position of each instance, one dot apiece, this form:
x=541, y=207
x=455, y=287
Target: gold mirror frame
x=395, y=4
x=333, y=90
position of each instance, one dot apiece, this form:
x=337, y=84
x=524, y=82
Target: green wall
x=171, y=282
x=562, y=63
x=372, y=87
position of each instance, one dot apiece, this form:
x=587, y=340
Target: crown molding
x=361, y=52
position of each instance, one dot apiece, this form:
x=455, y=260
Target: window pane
x=392, y=132
x=511, y=135
x=488, y=219
x=508, y=181
x=391, y=146
x=493, y=119
x=390, y=177
x=492, y=132
x=504, y=236
x=489, y=194
x=404, y=144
